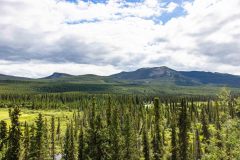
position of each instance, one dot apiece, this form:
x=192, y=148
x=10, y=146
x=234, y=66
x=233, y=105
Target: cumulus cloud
x=104, y=38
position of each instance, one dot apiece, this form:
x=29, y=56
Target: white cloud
x=39, y=69
x=171, y=6
x=119, y=35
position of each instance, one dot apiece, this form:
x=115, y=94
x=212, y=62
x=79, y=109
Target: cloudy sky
x=39, y=37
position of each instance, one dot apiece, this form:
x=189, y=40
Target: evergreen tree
x=97, y=141
x=53, y=137
x=91, y=133
x=146, y=148
x=115, y=137
x=109, y=111
x=101, y=140
x=58, y=132
x=26, y=142
x=129, y=140
x=198, y=153
x=3, y=134
x=32, y=148
x=46, y=150
x=69, y=143
x=174, y=144
x=13, y=151
x=157, y=145
x=39, y=137
x=183, y=132
x=81, y=155
x=205, y=131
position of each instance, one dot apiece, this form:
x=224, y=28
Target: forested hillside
x=129, y=127
x=147, y=81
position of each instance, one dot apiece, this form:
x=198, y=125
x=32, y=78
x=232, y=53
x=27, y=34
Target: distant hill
x=57, y=75
x=15, y=78
x=213, y=78
x=144, y=76
x=147, y=73
x=156, y=74
x=180, y=77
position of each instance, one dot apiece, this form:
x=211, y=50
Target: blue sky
x=163, y=18
x=106, y=37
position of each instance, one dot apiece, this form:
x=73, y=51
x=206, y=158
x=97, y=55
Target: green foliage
x=68, y=153
x=112, y=127
x=13, y=152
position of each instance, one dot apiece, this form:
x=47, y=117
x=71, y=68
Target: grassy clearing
x=31, y=115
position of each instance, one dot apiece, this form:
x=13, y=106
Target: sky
x=105, y=37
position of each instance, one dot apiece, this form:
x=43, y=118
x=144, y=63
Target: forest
x=79, y=126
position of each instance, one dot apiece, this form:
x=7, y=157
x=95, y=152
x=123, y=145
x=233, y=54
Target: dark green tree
x=53, y=137
x=183, y=131
x=13, y=151
x=146, y=147
x=39, y=137
x=26, y=142
x=69, y=143
x=130, y=152
x=115, y=137
x=205, y=131
x=46, y=150
x=157, y=144
x=3, y=134
x=198, y=153
x=81, y=155
x=32, y=148
x=174, y=143
x=58, y=131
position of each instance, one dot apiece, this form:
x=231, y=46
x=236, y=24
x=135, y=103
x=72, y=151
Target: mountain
x=57, y=75
x=144, y=76
x=156, y=75
x=156, y=80
x=159, y=74
x=15, y=78
x=213, y=78
x=147, y=73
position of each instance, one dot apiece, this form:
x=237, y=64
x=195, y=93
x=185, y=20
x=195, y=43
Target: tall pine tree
x=13, y=151
x=183, y=131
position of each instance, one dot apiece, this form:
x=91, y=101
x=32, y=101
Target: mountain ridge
x=152, y=75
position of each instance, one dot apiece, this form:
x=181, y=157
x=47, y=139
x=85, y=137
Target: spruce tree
x=13, y=151
x=115, y=136
x=157, y=145
x=58, y=131
x=183, y=131
x=81, y=154
x=129, y=140
x=32, y=148
x=3, y=134
x=39, y=137
x=69, y=143
x=146, y=148
x=205, y=131
x=198, y=153
x=91, y=133
x=26, y=142
x=46, y=150
x=174, y=143
x=53, y=138
x=109, y=111
x=101, y=140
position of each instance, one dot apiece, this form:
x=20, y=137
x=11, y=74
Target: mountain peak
x=147, y=73
x=56, y=75
x=156, y=68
